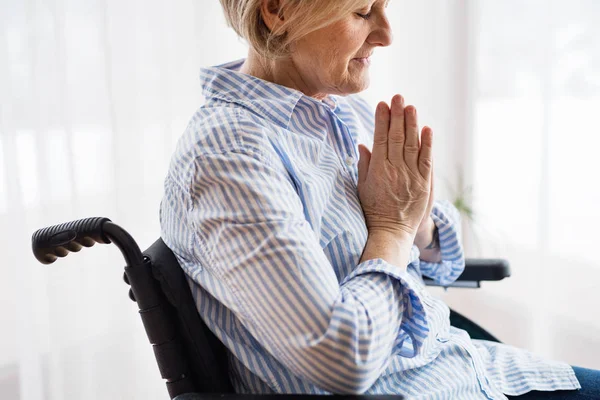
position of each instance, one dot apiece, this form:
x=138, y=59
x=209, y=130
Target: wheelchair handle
x=57, y=241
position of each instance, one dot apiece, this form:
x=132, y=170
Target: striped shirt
x=261, y=210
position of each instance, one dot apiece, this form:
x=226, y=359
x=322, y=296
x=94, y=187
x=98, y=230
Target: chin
x=350, y=83
x=358, y=86
x=364, y=84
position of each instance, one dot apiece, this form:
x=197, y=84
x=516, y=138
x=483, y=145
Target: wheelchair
x=190, y=357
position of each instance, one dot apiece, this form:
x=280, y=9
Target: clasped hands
x=395, y=183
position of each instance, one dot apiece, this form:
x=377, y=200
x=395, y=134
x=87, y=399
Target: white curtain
x=94, y=94
x=534, y=96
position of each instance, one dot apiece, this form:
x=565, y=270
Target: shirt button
x=349, y=161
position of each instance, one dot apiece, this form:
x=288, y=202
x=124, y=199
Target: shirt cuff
x=447, y=220
x=414, y=326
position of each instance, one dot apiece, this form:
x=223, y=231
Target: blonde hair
x=301, y=18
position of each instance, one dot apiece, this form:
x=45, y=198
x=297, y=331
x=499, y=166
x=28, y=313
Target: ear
x=271, y=13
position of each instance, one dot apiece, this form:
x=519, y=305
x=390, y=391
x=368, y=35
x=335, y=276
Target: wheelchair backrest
x=190, y=354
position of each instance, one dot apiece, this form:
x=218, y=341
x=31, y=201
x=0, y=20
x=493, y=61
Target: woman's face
x=335, y=59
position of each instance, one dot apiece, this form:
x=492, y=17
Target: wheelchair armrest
x=478, y=270
x=220, y=396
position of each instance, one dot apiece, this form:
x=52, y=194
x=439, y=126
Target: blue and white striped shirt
x=261, y=210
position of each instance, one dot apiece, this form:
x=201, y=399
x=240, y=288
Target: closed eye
x=364, y=16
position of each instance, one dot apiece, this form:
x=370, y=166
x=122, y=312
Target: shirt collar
x=270, y=100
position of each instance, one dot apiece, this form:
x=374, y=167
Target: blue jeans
x=590, y=388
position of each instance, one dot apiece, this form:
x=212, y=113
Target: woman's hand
x=394, y=182
x=427, y=225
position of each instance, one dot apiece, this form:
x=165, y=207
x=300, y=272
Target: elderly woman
x=304, y=249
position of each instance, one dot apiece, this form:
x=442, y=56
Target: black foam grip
x=57, y=241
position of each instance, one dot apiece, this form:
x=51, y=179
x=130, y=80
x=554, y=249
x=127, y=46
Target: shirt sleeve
x=250, y=231
x=447, y=220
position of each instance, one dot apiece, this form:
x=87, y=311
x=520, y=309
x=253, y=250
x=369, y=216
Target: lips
x=363, y=61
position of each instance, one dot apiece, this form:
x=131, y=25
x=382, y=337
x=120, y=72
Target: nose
x=382, y=32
